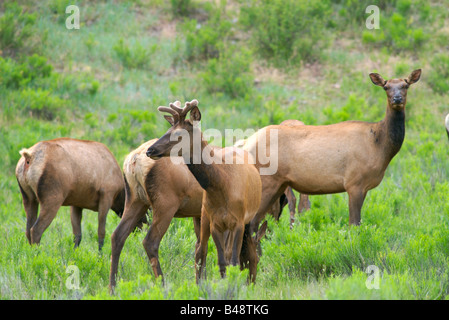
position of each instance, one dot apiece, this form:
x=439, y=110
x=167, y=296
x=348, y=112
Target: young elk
x=232, y=191
x=169, y=189
x=350, y=156
x=68, y=172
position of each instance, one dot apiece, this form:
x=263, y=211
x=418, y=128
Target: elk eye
x=385, y=88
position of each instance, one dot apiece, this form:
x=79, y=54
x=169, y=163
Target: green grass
x=105, y=81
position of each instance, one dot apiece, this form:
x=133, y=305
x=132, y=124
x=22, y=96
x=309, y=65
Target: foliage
x=16, y=27
x=229, y=74
x=136, y=57
x=181, y=7
x=205, y=40
x=287, y=31
x=439, y=75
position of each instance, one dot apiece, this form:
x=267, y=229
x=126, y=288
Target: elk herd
x=226, y=199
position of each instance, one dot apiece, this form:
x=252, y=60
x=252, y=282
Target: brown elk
x=350, y=156
x=232, y=191
x=288, y=198
x=69, y=172
x=169, y=189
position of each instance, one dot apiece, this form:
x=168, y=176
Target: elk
x=232, y=191
x=350, y=156
x=288, y=197
x=169, y=189
x=68, y=172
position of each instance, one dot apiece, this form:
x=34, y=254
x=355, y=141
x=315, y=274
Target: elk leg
x=304, y=203
x=31, y=206
x=291, y=204
x=131, y=217
x=103, y=209
x=161, y=221
x=237, y=245
x=201, y=250
x=197, y=228
x=76, y=213
x=219, y=243
x=46, y=216
x=356, y=198
x=248, y=254
x=271, y=191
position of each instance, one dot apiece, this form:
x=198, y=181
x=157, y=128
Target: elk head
x=181, y=127
x=396, y=89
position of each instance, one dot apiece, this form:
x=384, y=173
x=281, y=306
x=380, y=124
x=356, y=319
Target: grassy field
x=250, y=64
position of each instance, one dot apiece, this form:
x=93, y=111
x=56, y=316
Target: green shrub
x=439, y=75
x=15, y=75
x=16, y=27
x=132, y=127
x=38, y=103
x=354, y=109
x=230, y=74
x=136, y=57
x=287, y=32
x=396, y=33
x=205, y=40
x=181, y=7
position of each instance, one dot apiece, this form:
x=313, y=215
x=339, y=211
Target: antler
x=176, y=110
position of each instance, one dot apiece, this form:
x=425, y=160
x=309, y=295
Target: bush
x=439, y=75
x=204, y=41
x=15, y=28
x=16, y=75
x=38, y=103
x=288, y=32
x=136, y=57
x=230, y=74
x=396, y=33
x=131, y=127
x=181, y=7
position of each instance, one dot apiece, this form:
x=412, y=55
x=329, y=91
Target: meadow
x=250, y=64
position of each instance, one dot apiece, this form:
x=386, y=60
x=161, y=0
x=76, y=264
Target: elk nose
x=397, y=99
x=150, y=151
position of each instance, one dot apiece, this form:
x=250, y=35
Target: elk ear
x=414, y=76
x=377, y=79
x=195, y=114
x=26, y=154
x=170, y=120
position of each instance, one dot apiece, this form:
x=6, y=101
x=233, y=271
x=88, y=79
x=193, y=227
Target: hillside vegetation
x=250, y=64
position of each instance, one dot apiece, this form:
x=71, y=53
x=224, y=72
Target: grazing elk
x=69, y=172
x=350, y=156
x=232, y=191
x=169, y=189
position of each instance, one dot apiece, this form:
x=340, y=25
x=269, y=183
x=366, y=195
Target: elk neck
x=207, y=175
x=394, y=126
